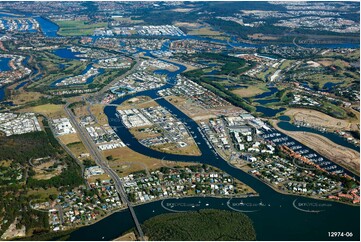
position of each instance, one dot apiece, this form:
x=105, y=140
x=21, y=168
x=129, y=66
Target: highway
x=101, y=161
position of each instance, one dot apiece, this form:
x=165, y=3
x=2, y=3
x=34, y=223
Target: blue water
x=4, y=64
x=2, y=93
x=269, y=112
x=329, y=85
x=272, y=90
x=291, y=224
x=331, y=136
x=284, y=118
x=266, y=101
x=88, y=81
x=48, y=28
x=66, y=53
x=21, y=85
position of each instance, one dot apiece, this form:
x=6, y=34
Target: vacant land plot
x=343, y=156
x=49, y=110
x=126, y=161
x=251, y=91
x=98, y=111
x=262, y=37
x=205, y=31
x=78, y=27
x=138, y=102
x=69, y=138
x=196, y=112
x=22, y=97
x=188, y=24
x=127, y=237
x=78, y=149
x=98, y=177
x=190, y=149
x=182, y=10
x=319, y=119
x=43, y=194
x=47, y=170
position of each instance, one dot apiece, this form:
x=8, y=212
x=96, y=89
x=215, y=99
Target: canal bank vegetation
x=207, y=224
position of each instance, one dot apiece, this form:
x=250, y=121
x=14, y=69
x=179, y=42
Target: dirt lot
x=49, y=110
x=69, y=138
x=262, y=37
x=319, y=119
x=127, y=237
x=13, y=232
x=343, y=156
x=97, y=111
x=42, y=174
x=190, y=149
x=138, y=102
x=196, y=112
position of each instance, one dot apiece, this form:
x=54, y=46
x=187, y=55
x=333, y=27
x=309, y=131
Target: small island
x=206, y=224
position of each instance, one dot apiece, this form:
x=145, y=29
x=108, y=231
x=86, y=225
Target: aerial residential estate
x=176, y=121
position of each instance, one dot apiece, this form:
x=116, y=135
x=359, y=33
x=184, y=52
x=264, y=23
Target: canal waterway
x=331, y=136
x=275, y=216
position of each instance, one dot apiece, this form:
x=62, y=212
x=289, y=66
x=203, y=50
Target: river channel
x=275, y=216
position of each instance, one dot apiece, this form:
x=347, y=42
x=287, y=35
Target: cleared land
x=262, y=37
x=69, y=138
x=19, y=98
x=138, y=102
x=319, y=119
x=343, y=156
x=172, y=148
x=49, y=110
x=205, y=31
x=126, y=161
x=77, y=149
x=127, y=237
x=78, y=27
x=251, y=91
x=182, y=10
x=43, y=171
x=196, y=112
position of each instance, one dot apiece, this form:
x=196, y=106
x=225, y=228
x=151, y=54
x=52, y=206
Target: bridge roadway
x=100, y=161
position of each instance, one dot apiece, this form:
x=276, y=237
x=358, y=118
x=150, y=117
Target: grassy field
x=205, y=31
x=138, y=102
x=322, y=79
x=263, y=75
x=42, y=193
x=97, y=111
x=126, y=161
x=69, y=138
x=190, y=149
x=77, y=148
x=22, y=97
x=77, y=27
x=251, y=91
x=49, y=110
x=100, y=177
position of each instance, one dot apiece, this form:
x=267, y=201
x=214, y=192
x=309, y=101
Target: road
x=101, y=161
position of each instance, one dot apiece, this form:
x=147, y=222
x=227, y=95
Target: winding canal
x=276, y=216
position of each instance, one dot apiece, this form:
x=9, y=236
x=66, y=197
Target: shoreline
x=293, y=134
